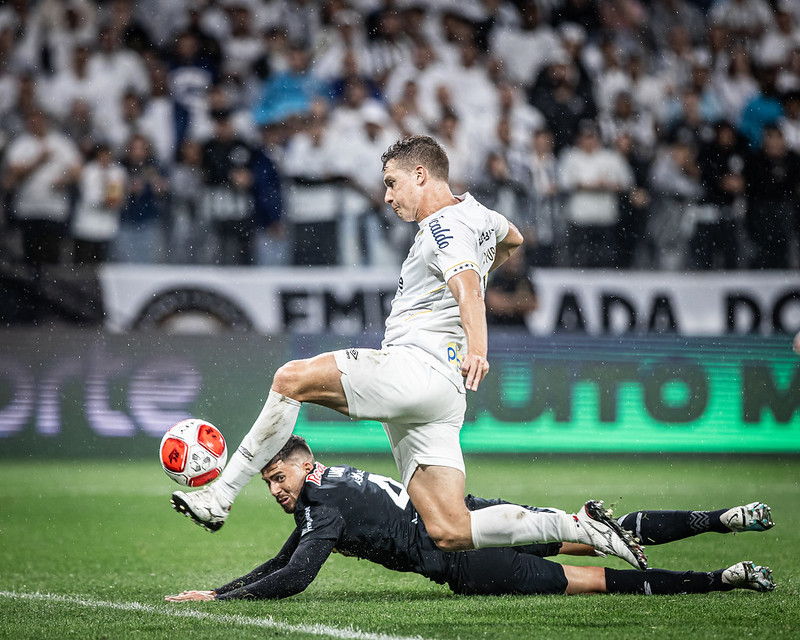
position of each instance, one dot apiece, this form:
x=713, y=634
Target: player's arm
x=266, y=569
x=299, y=572
x=466, y=289
x=506, y=246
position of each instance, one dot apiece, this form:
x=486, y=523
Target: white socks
x=507, y=525
x=268, y=434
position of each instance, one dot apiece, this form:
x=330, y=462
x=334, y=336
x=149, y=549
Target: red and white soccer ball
x=193, y=452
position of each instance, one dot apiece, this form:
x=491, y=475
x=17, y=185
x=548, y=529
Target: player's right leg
x=437, y=493
x=316, y=380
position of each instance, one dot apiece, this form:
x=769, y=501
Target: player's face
x=285, y=479
x=403, y=191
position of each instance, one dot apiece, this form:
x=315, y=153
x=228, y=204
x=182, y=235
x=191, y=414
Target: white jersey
x=424, y=313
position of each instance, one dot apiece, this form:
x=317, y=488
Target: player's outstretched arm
x=191, y=596
x=466, y=289
x=287, y=581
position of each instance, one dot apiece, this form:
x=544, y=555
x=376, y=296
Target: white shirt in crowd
x=37, y=197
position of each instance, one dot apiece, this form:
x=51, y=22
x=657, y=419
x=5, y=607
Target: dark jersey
x=362, y=514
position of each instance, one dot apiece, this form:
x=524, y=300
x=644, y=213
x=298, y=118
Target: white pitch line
x=348, y=633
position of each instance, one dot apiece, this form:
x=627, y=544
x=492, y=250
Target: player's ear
x=308, y=466
x=420, y=174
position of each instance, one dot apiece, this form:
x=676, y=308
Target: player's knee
x=449, y=539
x=288, y=379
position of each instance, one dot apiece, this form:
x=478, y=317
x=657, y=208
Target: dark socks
x=660, y=527
x=664, y=582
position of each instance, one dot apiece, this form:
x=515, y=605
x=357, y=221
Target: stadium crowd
x=616, y=134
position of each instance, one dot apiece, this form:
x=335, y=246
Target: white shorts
x=421, y=410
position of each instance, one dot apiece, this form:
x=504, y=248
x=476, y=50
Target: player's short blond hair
x=413, y=151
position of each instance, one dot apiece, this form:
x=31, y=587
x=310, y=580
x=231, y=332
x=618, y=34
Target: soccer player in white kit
x=434, y=350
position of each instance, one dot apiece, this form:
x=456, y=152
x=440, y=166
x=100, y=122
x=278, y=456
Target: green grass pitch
x=89, y=549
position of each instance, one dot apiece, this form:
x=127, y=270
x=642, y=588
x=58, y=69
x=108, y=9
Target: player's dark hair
x=295, y=444
x=412, y=151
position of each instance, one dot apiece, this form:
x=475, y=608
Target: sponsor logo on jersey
x=454, y=355
x=309, y=522
x=352, y=353
x=485, y=236
x=315, y=476
x=357, y=476
x=439, y=232
x=245, y=453
x=336, y=472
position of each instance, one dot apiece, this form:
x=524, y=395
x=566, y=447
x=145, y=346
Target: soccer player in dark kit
x=357, y=513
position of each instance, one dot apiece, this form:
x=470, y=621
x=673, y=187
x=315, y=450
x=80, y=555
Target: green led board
x=94, y=394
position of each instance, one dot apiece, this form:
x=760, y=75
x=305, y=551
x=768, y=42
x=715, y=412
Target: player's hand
x=188, y=596
x=474, y=369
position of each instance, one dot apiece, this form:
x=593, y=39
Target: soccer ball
x=193, y=452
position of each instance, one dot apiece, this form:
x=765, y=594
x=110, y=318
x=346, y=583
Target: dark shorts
x=507, y=570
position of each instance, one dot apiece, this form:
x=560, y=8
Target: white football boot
x=608, y=537
x=746, y=575
x=755, y=516
x=202, y=506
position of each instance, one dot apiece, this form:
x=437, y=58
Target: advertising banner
x=90, y=394
x=351, y=301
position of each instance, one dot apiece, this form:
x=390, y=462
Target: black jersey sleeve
x=319, y=527
x=269, y=567
x=299, y=572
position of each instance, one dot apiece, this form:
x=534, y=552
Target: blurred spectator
x=634, y=203
x=763, y=109
x=142, y=219
x=42, y=165
x=772, y=177
x=101, y=192
x=625, y=118
x=789, y=123
x=291, y=92
x=363, y=221
x=525, y=50
x=227, y=205
x=523, y=119
x=775, y=45
x=697, y=106
x=666, y=14
x=114, y=70
x=313, y=194
x=593, y=177
x=717, y=230
x=545, y=230
x=270, y=246
x=555, y=94
x=242, y=46
x=676, y=188
x=745, y=19
x=737, y=85
x=504, y=182
x=159, y=115
x=186, y=232
x=70, y=84
x=510, y=293
x=193, y=64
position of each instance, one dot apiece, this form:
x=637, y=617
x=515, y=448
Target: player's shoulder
x=328, y=480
